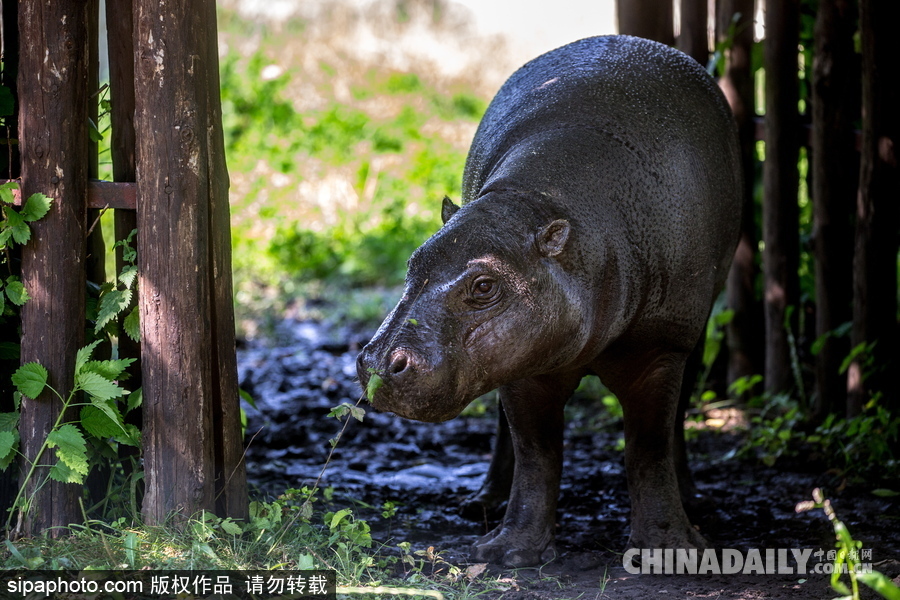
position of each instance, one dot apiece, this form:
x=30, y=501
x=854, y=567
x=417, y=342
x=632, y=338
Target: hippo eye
x=484, y=289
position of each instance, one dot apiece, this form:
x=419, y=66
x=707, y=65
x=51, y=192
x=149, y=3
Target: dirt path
x=428, y=469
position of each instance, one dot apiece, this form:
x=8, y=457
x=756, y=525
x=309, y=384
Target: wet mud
x=428, y=469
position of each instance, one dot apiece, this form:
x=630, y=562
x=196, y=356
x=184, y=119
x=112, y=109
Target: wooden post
x=835, y=173
x=54, y=139
x=745, y=345
x=651, y=19
x=877, y=208
x=230, y=473
x=181, y=195
x=693, y=39
x=780, y=180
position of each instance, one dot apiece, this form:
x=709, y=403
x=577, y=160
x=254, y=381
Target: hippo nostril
x=399, y=362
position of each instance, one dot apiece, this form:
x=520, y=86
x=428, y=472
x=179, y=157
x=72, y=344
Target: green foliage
x=117, y=297
x=100, y=421
x=861, y=448
x=395, y=174
x=848, y=556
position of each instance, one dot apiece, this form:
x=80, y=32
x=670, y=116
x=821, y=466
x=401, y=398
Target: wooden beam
x=100, y=194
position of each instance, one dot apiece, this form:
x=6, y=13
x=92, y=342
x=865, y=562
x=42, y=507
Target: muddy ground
x=427, y=469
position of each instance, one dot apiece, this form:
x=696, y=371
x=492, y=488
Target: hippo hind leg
x=694, y=502
x=488, y=502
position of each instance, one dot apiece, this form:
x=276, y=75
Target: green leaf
x=30, y=379
x=881, y=584
x=98, y=423
x=98, y=386
x=9, y=421
x=246, y=397
x=110, y=369
x=135, y=399
x=71, y=452
x=375, y=382
x=17, y=227
x=64, y=474
x=132, y=324
x=111, y=304
x=16, y=292
x=93, y=132
x=9, y=456
x=84, y=355
x=412, y=322
x=230, y=527
x=111, y=410
x=130, y=437
x=128, y=275
x=340, y=410
x=885, y=493
x=6, y=193
x=9, y=440
x=357, y=412
x=2, y=299
x=337, y=517
x=36, y=207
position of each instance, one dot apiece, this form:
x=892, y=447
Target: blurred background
x=346, y=122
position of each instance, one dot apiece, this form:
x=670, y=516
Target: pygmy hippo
x=600, y=211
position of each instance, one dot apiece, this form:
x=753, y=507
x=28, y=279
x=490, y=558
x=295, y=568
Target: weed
x=848, y=556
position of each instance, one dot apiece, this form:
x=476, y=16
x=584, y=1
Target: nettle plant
x=92, y=434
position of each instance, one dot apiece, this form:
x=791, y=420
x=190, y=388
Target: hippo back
x=635, y=143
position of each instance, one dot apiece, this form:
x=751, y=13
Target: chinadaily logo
x=725, y=561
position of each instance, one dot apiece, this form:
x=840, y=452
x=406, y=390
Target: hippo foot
x=485, y=505
x=666, y=537
x=501, y=547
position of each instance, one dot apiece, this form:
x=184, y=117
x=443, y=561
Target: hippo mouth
x=430, y=406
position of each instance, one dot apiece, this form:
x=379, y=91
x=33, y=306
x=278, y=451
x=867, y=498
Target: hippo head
x=488, y=300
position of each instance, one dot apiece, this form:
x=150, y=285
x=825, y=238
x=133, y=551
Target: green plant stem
x=35, y=463
x=315, y=486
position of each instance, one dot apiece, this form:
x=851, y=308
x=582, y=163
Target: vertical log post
x=693, y=38
x=181, y=197
x=780, y=181
x=651, y=19
x=745, y=345
x=835, y=172
x=877, y=210
x=230, y=472
x=54, y=148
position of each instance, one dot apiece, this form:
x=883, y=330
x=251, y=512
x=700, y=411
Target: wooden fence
x=854, y=185
x=172, y=185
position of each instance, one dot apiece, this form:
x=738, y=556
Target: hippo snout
x=410, y=386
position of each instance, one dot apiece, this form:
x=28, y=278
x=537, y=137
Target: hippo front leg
x=495, y=487
x=534, y=409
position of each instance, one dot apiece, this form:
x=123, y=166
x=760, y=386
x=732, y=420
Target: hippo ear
x=448, y=209
x=552, y=238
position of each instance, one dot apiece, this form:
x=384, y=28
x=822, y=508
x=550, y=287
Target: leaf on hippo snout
x=412, y=322
x=375, y=382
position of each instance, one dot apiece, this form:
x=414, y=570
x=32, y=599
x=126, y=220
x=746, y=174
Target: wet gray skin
x=601, y=205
